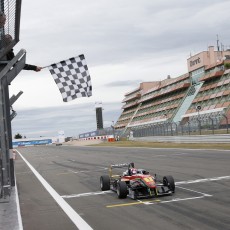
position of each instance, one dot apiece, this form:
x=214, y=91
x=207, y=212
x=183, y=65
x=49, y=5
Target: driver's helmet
x=133, y=171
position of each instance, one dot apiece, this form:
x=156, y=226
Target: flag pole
x=45, y=66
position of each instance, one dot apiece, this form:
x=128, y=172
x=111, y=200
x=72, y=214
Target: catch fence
x=194, y=127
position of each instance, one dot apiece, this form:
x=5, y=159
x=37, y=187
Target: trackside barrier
x=31, y=143
x=218, y=138
x=111, y=139
x=94, y=138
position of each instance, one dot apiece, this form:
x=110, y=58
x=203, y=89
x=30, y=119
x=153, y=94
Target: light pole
x=226, y=121
x=212, y=124
x=113, y=129
x=189, y=127
x=165, y=115
x=198, y=108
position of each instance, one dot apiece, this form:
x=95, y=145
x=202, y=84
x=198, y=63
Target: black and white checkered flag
x=72, y=78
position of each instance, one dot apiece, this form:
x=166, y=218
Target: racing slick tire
x=169, y=182
x=105, y=183
x=122, y=190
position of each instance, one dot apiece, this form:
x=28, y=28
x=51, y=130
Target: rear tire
x=105, y=183
x=169, y=182
x=122, y=190
x=156, y=192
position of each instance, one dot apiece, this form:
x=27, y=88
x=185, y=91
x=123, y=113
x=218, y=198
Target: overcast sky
x=125, y=42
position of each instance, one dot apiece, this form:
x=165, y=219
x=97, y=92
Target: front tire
x=169, y=182
x=122, y=190
x=105, y=183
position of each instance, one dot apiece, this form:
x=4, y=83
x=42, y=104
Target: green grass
x=124, y=143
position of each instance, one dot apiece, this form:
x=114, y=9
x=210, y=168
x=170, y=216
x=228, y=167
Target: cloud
x=71, y=118
x=128, y=29
x=123, y=83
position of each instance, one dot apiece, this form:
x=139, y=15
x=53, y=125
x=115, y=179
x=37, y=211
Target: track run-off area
x=59, y=188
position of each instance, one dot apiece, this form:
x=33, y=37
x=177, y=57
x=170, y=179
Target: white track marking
x=18, y=207
x=203, y=180
x=169, y=155
x=204, y=194
x=177, y=183
x=174, y=200
x=76, y=172
x=75, y=217
x=120, y=147
x=87, y=194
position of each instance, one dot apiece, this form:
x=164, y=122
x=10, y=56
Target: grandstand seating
x=206, y=87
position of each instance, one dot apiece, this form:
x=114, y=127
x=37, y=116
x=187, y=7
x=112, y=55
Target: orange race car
x=136, y=183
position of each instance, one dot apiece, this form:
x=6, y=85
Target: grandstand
x=200, y=95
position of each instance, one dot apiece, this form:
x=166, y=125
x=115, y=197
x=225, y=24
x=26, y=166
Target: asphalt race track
x=71, y=198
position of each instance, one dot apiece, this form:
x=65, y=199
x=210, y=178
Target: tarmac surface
x=201, y=200
x=10, y=214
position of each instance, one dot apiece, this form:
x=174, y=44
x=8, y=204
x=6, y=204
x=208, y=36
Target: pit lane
x=200, y=201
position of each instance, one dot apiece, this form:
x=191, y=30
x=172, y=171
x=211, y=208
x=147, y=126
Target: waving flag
x=72, y=78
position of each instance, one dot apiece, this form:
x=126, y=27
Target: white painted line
x=75, y=217
x=18, y=207
x=169, y=155
x=87, y=194
x=76, y=172
x=203, y=180
x=177, y=183
x=180, y=199
x=120, y=147
x=191, y=190
x=175, y=200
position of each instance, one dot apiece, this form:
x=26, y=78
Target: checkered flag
x=72, y=78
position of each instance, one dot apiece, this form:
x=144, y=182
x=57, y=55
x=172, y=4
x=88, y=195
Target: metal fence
x=194, y=127
x=9, y=68
x=9, y=24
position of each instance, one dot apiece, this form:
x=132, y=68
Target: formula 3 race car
x=136, y=183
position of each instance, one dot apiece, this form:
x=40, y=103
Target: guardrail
x=218, y=138
x=31, y=143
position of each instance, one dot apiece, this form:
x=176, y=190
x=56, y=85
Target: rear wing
x=123, y=165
